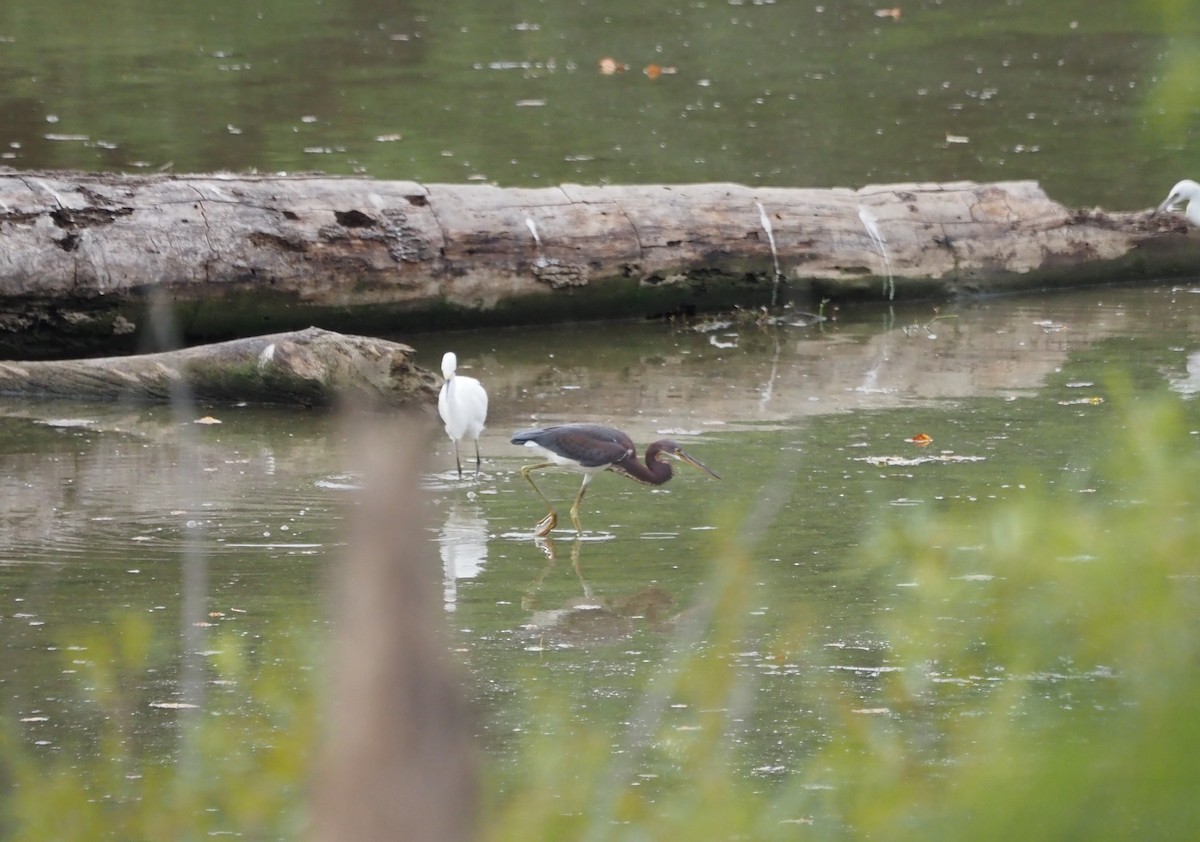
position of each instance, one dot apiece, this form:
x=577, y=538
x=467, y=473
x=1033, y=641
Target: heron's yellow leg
x=546, y=525
x=551, y=519
x=575, y=505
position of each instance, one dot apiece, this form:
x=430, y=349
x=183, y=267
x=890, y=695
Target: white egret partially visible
x=1185, y=191
x=462, y=403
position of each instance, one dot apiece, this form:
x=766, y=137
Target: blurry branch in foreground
x=398, y=760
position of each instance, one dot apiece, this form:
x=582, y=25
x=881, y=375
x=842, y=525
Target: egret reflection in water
x=1188, y=384
x=462, y=545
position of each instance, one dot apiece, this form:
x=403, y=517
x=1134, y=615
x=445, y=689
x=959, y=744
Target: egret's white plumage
x=1185, y=191
x=462, y=403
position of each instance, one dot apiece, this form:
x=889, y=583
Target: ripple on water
x=290, y=520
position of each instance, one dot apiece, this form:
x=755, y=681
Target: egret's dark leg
x=579, y=499
x=551, y=519
x=478, y=461
x=457, y=461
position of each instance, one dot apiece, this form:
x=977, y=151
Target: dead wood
x=82, y=254
x=308, y=367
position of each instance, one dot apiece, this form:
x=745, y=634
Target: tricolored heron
x=1185, y=191
x=462, y=403
x=590, y=449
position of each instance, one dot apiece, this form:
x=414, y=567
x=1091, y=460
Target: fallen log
x=311, y=367
x=82, y=255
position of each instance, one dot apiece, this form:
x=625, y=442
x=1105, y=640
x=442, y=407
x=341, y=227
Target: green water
x=1094, y=100
x=110, y=509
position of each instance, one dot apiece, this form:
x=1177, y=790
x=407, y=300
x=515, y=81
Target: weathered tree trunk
x=240, y=255
x=309, y=367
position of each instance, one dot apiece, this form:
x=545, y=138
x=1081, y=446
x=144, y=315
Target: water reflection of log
x=586, y=620
x=1007, y=347
x=308, y=367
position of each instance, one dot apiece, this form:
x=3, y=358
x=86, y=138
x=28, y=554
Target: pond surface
x=1094, y=100
x=232, y=527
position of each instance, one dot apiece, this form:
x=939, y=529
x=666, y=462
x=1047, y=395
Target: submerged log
x=311, y=367
x=81, y=255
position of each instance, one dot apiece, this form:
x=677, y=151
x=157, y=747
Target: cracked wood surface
x=81, y=254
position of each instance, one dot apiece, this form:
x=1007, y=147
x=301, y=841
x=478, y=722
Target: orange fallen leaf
x=609, y=66
x=921, y=440
x=893, y=13
x=653, y=71
x=207, y=419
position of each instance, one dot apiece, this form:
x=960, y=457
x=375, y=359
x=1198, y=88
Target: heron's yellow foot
x=546, y=524
x=575, y=521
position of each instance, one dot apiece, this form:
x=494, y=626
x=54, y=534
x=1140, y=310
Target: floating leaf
x=653, y=71
x=609, y=66
x=893, y=13
x=921, y=440
x=207, y=419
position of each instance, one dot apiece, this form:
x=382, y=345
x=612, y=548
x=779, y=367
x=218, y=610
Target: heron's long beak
x=696, y=463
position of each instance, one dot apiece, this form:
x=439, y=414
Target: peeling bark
x=82, y=254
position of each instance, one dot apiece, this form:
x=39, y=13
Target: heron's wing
x=591, y=445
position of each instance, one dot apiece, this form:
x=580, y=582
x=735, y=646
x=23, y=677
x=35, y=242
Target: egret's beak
x=696, y=463
x=1168, y=204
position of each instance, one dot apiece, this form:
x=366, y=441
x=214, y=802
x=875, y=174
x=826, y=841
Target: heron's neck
x=652, y=472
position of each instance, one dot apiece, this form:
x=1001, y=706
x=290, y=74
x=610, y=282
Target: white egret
x=462, y=403
x=1185, y=191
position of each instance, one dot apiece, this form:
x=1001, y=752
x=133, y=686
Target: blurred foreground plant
x=241, y=765
x=1066, y=627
